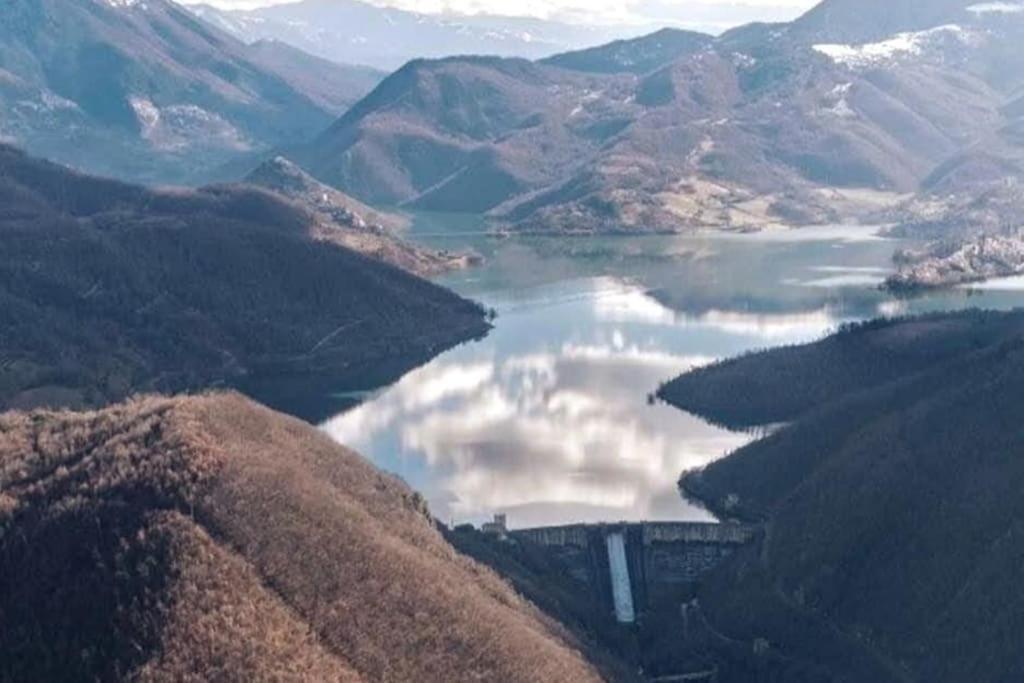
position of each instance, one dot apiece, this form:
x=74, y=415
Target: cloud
x=604, y=12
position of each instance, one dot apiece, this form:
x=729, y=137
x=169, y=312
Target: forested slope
x=782, y=384
x=107, y=289
x=891, y=503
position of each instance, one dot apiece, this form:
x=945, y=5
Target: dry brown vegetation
x=212, y=539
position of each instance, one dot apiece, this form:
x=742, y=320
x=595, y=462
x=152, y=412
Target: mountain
x=353, y=32
x=110, y=289
x=333, y=87
x=767, y=126
x=342, y=220
x=466, y=134
x=211, y=539
x=793, y=131
x=145, y=91
x=638, y=55
x=868, y=21
x=891, y=526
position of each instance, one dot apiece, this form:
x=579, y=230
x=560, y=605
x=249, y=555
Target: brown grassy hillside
x=211, y=539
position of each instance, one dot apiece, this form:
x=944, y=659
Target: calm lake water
x=548, y=418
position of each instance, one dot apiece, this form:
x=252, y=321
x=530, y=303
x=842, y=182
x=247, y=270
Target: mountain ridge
x=112, y=289
x=208, y=537
x=147, y=92
x=786, y=130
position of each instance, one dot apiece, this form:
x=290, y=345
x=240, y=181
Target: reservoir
x=549, y=419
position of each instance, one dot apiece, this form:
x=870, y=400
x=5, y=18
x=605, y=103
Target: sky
x=595, y=11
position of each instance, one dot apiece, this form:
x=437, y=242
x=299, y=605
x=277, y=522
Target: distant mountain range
x=145, y=91
x=841, y=115
x=901, y=115
x=353, y=32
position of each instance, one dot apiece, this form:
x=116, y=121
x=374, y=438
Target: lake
x=549, y=419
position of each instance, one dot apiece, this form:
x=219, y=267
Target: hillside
x=109, y=289
x=891, y=519
x=211, y=539
x=145, y=91
x=764, y=127
x=331, y=86
x=961, y=262
x=866, y=21
x=638, y=56
x=342, y=220
x=744, y=392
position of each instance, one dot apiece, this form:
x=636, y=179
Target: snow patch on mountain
x=902, y=45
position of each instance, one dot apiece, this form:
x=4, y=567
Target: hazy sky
x=598, y=11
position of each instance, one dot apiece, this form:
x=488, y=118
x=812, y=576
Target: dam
x=629, y=567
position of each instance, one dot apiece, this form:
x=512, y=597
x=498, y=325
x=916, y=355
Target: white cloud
x=729, y=12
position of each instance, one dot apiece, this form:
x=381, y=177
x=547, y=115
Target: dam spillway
x=618, y=574
x=627, y=568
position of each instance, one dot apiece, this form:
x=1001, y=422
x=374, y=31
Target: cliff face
x=108, y=289
x=209, y=538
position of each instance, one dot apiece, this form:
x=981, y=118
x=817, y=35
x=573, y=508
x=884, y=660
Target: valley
x=145, y=92
x=627, y=342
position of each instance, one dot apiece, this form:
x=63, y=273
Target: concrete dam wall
x=629, y=567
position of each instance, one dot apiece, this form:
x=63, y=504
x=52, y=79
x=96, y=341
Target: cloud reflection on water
x=555, y=427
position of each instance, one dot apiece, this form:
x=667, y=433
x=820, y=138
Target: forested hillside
x=783, y=384
x=109, y=289
x=890, y=503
